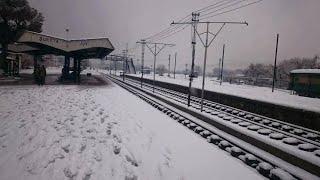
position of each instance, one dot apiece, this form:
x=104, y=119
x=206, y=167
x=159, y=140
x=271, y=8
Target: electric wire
x=169, y=30
x=234, y=9
x=210, y=11
x=227, y=6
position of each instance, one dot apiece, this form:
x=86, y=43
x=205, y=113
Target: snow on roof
x=305, y=71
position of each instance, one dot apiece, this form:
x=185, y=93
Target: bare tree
x=161, y=69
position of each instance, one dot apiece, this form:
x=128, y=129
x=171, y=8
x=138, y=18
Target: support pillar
x=18, y=58
x=78, y=70
x=75, y=69
x=35, y=61
x=66, y=67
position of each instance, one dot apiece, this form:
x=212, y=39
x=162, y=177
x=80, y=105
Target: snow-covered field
x=281, y=97
x=77, y=132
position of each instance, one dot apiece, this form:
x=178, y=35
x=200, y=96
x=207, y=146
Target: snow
x=305, y=71
x=291, y=141
x=279, y=96
x=272, y=142
x=79, y=132
x=307, y=147
x=280, y=174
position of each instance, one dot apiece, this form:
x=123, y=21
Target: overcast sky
x=127, y=21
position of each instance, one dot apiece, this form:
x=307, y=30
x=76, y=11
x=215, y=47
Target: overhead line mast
x=155, y=51
x=143, y=44
x=194, y=22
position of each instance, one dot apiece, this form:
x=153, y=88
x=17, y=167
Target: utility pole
x=134, y=69
x=115, y=67
x=175, y=64
x=155, y=51
x=110, y=67
x=123, y=63
x=219, y=72
x=143, y=44
x=221, y=75
x=186, y=72
x=275, y=64
x=169, y=65
x=206, y=45
x=195, y=21
x=125, y=59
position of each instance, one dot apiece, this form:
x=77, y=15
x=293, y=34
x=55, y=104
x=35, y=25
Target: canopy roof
x=40, y=44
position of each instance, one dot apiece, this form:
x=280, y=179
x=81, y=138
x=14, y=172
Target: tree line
x=16, y=16
x=283, y=68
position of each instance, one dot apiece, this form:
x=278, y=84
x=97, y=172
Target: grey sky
x=126, y=21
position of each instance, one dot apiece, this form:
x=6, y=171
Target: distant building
x=305, y=82
x=146, y=70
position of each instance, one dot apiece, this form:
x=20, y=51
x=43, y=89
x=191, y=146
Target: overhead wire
x=234, y=9
x=171, y=29
x=224, y=7
x=167, y=29
x=212, y=6
x=171, y=33
x=210, y=11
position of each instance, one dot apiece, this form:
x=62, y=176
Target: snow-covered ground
x=281, y=97
x=77, y=132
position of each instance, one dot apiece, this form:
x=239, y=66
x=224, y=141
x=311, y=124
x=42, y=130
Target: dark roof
x=40, y=44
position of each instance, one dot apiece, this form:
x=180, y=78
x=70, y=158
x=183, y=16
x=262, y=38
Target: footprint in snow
x=54, y=158
x=87, y=174
x=31, y=168
x=22, y=125
x=3, y=135
x=97, y=156
x=91, y=130
x=117, y=138
x=83, y=146
x=132, y=160
x=102, y=120
x=131, y=177
x=70, y=173
x=108, y=132
x=65, y=147
x=116, y=149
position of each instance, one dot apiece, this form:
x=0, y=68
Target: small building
x=305, y=82
x=146, y=70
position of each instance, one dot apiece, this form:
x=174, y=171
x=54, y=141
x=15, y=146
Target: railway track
x=214, y=137
x=257, y=122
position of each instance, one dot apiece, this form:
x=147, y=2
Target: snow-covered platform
x=53, y=74
x=264, y=94
x=100, y=132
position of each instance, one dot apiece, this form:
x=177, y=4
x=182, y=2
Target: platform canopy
x=40, y=44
